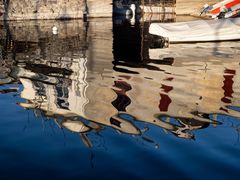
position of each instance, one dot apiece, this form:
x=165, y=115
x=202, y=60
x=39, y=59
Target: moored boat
x=223, y=9
x=198, y=31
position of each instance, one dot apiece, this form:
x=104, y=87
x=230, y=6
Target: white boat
x=198, y=31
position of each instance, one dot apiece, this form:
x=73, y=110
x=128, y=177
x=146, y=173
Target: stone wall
x=64, y=9
x=99, y=8
x=55, y=9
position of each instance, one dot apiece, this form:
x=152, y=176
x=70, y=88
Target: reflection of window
x=228, y=85
x=115, y=122
x=39, y=87
x=62, y=95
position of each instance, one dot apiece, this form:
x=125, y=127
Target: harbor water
x=99, y=99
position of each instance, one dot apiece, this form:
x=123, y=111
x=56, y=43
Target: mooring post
x=85, y=11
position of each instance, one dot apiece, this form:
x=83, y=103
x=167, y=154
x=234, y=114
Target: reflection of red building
x=228, y=85
x=190, y=91
x=205, y=85
x=165, y=99
x=122, y=100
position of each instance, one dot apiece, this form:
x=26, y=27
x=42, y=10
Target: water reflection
x=77, y=80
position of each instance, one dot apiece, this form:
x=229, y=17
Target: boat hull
x=198, y=31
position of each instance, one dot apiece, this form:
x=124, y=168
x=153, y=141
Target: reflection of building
x=69, y=77
x=191, y=88
x=60, y=75
x=177, y=82
x=5, y=68
x=58, y=95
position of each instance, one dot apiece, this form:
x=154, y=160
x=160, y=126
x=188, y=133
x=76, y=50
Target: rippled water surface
x=96, y=100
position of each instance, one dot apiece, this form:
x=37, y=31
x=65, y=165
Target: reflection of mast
x=9, y=44
x=1, y=54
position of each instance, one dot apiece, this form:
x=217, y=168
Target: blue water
x=142, y=117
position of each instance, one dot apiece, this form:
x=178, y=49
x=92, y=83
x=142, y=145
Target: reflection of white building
x=56, y=95
x=62, y=77
x=71, y=97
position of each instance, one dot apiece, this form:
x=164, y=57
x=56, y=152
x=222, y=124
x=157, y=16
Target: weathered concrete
x=100, y=8
x=55, y=9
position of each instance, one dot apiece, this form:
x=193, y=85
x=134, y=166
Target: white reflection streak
x=79, y=99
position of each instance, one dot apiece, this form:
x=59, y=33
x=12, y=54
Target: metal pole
x=85, y=11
